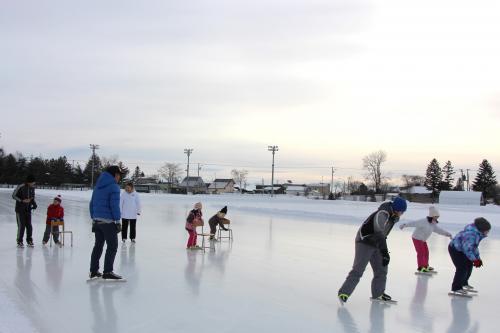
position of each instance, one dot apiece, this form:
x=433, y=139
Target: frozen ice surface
x=281, y=273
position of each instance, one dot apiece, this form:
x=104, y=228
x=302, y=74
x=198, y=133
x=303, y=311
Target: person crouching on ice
x=193, y=220
x=371, y=247
x=217, y=220
x=423, y=230
x=464, y=253
x=55, y=212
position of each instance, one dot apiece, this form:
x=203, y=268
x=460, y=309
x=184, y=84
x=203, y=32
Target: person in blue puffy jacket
x=464, y=253
x=105, y=213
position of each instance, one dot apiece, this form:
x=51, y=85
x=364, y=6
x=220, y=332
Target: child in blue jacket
x=464, y=253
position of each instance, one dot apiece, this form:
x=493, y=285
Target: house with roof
x=195, y=185
x=220, y=185
x=296, y=190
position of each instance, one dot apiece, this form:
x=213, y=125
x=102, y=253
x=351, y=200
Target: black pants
x=24, y=223
x=104, y=232
x=125, y=223
x=463, y=268
x=55, y=233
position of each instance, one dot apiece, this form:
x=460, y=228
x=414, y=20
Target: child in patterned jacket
x=464, y=253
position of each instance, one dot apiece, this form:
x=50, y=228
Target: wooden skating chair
x=227, y=224
x=61, y=233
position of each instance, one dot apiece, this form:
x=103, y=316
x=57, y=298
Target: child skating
x=55, y=212
x=464, y=253
x=193, y=220
x=130, y=207
x=215, y=220
x=423, y=230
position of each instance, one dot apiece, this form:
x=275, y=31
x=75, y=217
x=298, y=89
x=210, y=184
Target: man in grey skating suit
x=371, y=247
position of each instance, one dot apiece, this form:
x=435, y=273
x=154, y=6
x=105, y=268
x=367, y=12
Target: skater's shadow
x=128, y=267
x=347, y=321
x=460, y=320
x=377, y=317
x=103, y=307
x=53, y=267
x=420, y=317
x=193, y=272
x=218, y=259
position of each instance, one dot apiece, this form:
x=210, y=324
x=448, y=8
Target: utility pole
x=199, y=169
x=331, y=188
x=468, y=188
x=272, y=149
x=188, y=152
x=93, y=147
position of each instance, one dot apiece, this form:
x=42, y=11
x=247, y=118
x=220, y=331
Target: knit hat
x=30, y=179
x=58, y=198
x=482, y=224
x=197, y=205
x=433, y=212
x=399, y=204
x=224, y=210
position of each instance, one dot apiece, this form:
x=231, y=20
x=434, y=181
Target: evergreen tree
x=78, y=175
x=137, y=173
x=125, y=170
x=448, y=173
x=87, y=172
x=485, y=180
x=433, y=178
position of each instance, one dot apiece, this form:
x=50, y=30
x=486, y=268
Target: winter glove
x=477, y=263
x=385, y=257
x=401, y=226
x=34, y=205
x=93, y=226
x=118, y=227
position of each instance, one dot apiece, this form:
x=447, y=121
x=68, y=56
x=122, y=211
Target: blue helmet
x=399, y=204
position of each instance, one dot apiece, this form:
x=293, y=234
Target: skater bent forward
x=371, y=247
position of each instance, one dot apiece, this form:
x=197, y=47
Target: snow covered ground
x=281, y=273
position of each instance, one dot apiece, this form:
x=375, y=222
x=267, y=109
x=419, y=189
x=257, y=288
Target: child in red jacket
x=55, y=212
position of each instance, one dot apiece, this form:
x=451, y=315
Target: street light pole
x=188, y=152
x=93, y=147
x=272, y=149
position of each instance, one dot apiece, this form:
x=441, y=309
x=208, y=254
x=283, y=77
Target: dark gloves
x=118, y=227
x=224, y=228
x=477, y=263
x=93, y=226
x=385, y=257
x=34, y=205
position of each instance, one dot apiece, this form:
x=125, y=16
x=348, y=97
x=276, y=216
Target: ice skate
x=461, y=293
x=112, y=277
x=343, y=298
x=20, y=245
x=30, y=244
x=423, y=271
x=384, y=298
x=94, y=276
x=132, y=240
x=469, y=289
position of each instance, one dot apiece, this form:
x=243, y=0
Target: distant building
x=460, y=198
x=296, y=190
x=146, y=184
x=195, y=185
x=221, y=186
x=266, y=189
x=323, y=189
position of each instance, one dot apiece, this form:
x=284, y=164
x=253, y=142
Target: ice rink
x=280, y=274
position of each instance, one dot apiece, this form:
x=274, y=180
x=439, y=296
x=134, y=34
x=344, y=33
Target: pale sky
x=328, y=81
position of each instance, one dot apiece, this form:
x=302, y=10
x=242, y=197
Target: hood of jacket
x=104, y=180
x=471, y=228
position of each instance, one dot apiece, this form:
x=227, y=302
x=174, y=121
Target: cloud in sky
x=327, y=81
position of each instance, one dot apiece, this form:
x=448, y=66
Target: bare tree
x=373, y=163
x=171, y=172
x=109, y=160
x=239, y=177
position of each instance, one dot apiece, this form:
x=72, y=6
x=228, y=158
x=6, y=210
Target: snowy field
x=280, y=274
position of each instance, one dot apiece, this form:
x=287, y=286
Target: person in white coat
x=130, y=206
x=423, y=230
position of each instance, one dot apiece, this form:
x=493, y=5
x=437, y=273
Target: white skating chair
x=229, y=235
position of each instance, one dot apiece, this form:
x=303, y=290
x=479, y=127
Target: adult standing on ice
x=24, y=195
x=130, y=207
x=464, y=253
x=371, y=247
x=423, y=230
x=105, y=214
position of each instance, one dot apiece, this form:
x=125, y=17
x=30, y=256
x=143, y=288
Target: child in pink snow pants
x=193, y=218
x=423, y=230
